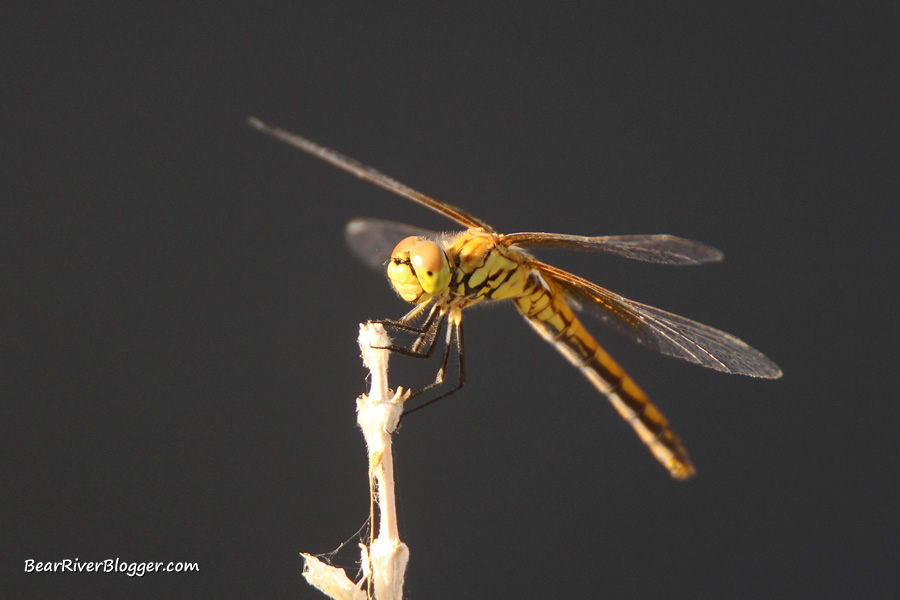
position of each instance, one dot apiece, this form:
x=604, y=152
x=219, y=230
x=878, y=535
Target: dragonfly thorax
x=419, y=270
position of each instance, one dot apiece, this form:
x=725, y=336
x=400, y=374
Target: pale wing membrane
x=663, y=331
x=373, y=240
x=369, y=174
x=661, y=248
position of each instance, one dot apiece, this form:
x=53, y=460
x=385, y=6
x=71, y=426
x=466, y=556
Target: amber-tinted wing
x=373, y=240
x=369, y=174
x=660, y=330
x=661, y=248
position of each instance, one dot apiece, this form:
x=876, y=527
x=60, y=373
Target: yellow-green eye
x=431, y=266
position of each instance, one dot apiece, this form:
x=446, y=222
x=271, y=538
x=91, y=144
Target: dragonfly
x=444, y=273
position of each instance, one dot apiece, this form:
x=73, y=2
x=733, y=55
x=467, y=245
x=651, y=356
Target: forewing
x=373, y=240
x=661, y=248
x=662, y=331
x=369, y=174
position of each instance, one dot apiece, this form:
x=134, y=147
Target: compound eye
x=401, y=250
x=426, y=257
x=431, y=266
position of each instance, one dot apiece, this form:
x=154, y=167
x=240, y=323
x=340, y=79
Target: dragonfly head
x=418, y=270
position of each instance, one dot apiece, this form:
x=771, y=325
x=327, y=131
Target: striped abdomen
x=549, y=314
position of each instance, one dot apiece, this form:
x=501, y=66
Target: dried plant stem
x=378, y=414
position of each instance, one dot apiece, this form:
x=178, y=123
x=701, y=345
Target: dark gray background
x=180, y=312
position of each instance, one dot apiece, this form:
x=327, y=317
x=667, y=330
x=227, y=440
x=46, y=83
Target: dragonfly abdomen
x=549, y=314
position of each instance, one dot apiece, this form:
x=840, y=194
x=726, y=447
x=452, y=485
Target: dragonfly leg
x=426, y=334
x=454, y=334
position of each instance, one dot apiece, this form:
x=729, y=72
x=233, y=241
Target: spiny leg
x=454, y=333
x=423, y=346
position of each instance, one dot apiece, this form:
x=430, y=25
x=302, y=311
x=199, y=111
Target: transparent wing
x=369, y=174
x=660, y=330
x=662, y=248
x=373, y=240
